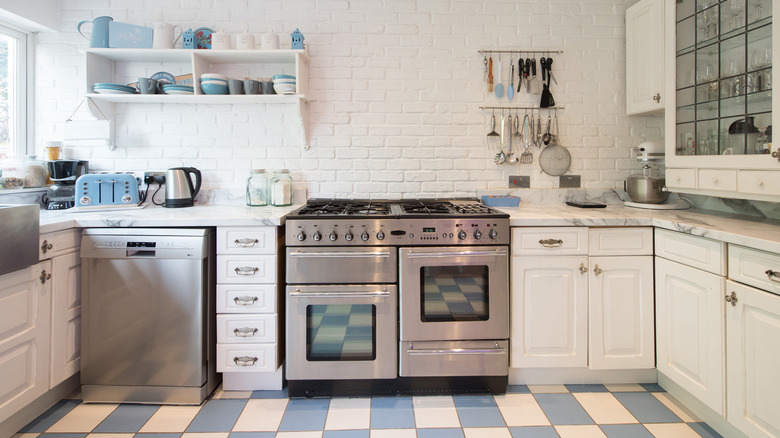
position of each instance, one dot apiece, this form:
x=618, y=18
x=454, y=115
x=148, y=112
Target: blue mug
x=99, y=34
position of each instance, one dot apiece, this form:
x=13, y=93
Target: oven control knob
x=380, y=235
x=493, y=234
x=348, y=237
x=462, y=235
x=364, y=236
x=301, y=236
x=477, y=234
x=333, y=236
x=317, y=236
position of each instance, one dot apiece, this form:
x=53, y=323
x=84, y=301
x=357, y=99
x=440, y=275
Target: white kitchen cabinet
x=127, y=65
x=644, y=57
x=753, y=360
x=25, y=322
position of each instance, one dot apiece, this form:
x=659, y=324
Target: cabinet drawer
x=246, y=329
x=759, y=182
x=620, y=241
x=249, y=358
x=755, y=268
x=550, y=240
x=246, y=240
x=718, y=179
x=698, y=252
x=681, y=178
x=246, y=298
x=246, y=269
x=58, y=242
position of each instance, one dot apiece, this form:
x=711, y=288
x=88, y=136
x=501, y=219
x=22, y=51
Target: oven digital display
x=429, y=230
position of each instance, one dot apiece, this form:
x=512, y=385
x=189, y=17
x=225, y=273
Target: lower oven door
x=337, y=332
x=454, y=358
x=454, y=293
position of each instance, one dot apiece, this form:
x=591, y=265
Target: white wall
x=395, y=86
x=32, y=14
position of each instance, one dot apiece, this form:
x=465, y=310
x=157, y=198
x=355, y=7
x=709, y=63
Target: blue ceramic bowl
x=275, y=77
x=214, y=88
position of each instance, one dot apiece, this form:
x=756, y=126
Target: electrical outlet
x=569, y=181
x=154, y=178
x=519, y=182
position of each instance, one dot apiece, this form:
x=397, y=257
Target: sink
x=19, y=231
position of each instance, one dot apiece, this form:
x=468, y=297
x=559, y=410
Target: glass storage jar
x=13, y=174
x=281, y=188
x=34, y=172
x=257, y=188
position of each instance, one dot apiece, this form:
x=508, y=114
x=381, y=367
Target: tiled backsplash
x=395, y=89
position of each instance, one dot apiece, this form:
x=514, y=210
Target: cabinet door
x=25, y=306
x=621, y=313
x=690, y=330
x=753, y=360
x=65, y=317
x=549, y=326
x=645, y=57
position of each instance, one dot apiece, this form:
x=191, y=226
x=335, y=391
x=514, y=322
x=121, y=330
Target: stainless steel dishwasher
x=148, y=323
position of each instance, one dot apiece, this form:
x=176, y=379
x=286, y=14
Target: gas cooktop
x=395, y=208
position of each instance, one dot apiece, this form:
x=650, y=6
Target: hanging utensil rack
x=518, y=51
x=510, y=108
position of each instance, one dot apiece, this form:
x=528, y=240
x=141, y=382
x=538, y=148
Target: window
x=13, y=93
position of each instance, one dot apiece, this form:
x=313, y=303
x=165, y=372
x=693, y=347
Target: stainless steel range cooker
x=397, y=296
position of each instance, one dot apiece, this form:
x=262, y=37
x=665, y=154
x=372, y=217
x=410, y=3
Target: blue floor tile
x=51, y=416
x=126, y=419
x=305, y=414
x=282, y=393
x=440, y=433
x=392, y=413
x=217, y=416
x=517, y=389
x=62, y=435
x=478, y=411
x=562, y=409
x=586, y=388
x=625, y=431
x=162, y=435
x=533, y=432
x=252, y=435
x=646, y=408
x=704, y=430
x=652, y=387
x=363, y=433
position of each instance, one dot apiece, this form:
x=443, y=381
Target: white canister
x=220, y=40
x=270, y=40
x=163, y=36
x=245, y=41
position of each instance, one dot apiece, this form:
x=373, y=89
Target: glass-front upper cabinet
x=723, y=77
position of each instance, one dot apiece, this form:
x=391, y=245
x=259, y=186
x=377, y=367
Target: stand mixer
x=648, y=190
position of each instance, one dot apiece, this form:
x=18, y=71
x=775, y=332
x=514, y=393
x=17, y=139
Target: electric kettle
x=178, y=187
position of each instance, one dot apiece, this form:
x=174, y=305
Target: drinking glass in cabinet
x=758, y=10
x=707, y=25
x=685, y=70
x=732, y=15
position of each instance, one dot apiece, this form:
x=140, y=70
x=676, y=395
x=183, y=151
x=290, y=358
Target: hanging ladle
x=546, y=137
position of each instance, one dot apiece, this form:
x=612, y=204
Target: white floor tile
x=349, y=413
x=111, y=435
x=261, y=415
x=604, y=408
x=671, y=430
x=308, y=434
x=435, y=411
x=171, y=419
x=83, y=418
x=675, y=406
x=626, y=387
x=547, y=389
x=205, y=435
x=393, y=433
x=521, y=410
x=486, y=432
x=584, y=431
x=233, y=394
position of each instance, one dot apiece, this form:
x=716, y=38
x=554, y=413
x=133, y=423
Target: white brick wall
x=395, y=92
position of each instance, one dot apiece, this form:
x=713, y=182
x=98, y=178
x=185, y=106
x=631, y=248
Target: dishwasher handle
x=140, y=253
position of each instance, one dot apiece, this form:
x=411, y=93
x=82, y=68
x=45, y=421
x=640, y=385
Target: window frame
x=22, y=105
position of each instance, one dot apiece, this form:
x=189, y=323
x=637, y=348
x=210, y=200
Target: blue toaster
x=96, y=189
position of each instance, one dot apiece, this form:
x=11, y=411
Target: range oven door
x=454, y=293
x=341, y=332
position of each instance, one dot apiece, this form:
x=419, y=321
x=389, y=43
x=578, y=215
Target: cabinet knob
x=583, y=268
x=44, y=276
x=714, y=180
x=657, y=97
x=760, y=183
x=46, y=246
x=597, y=270
x=732, y=299
x=776, y=154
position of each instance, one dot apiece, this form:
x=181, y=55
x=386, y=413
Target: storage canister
x=34, y=172
x=281, y=188
x=257, y=188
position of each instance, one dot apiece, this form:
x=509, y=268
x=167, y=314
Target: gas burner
x=425, y=207
x=318, y=207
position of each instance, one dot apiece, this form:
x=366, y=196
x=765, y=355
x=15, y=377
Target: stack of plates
x=102, y=88
x=178, y=89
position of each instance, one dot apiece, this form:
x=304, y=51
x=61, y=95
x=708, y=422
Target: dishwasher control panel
x=126, y=246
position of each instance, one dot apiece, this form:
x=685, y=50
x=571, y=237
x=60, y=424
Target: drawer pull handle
x=714, y=180
x=246, y=270
x=597, y=270
x=44, y=276
x=245, y=332
x=245, y=300
x=551, y=243
x=760, y=183
x=732, y=299
x=246, y=242
x=773, y=275
x=46, y=246
x=245, y=361
x=583, y=268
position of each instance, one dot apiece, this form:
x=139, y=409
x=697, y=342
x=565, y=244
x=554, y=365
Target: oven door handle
x=367, y=294
x=475, y=253
x=455, y=351
x=298, y=253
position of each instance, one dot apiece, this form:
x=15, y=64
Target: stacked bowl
x=105, y=88
x=177, y=89
x=214, y=83
x=284, y=84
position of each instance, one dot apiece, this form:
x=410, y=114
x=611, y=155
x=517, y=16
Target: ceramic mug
x=270, y=40
x=163, y=36
x=99, y=35
x=236, y=86
x=149, y=86
x=245, y=41
x=251, y=86
x=220, y=40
